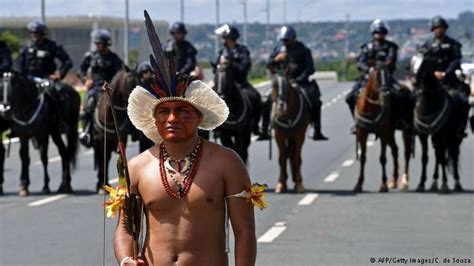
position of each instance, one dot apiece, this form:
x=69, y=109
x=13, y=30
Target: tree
x=12, y=41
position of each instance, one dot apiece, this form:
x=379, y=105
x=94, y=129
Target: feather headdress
x=169, y=86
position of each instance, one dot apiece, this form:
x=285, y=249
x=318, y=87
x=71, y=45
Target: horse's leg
x=362, y=139
x=2, y=164
x=99, y=156
x=424, y=161
x=454, y=159
x=242, y=143
x=407, y=142
x=65, y=186
x=282, y=157
x=226, y=139
x=383, y=161
x=440, y=149
x=434, y=185
x=394, y=148
x=25, y=163
x=296, y=161
x=43, y=146
x=110, y=147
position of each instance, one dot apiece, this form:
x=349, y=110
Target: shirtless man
x=186, y=225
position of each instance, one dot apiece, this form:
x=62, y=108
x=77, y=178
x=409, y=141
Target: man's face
x=36, y=36
x=177, y=121
x=439, y=32
x=379, y=36
x=228, y=42
x=179, y=36
x=288, y=42
x=101, y=47
x=146, y=75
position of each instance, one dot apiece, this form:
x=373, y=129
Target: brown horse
x=104, y=136
x=290, y=118
x=377, y=111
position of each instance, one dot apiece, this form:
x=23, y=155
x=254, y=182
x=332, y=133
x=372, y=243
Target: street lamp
x=244, y=5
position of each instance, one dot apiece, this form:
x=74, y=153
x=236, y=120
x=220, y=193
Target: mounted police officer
x=297, y=57
x=145, y=76
x=97, y=67
x=447, y=51
x=377, y=51
x=179, y=49
x=37, y=60
x=237, y=57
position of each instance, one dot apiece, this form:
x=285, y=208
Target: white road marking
x=348, y=163
x=370, y=143
x=50, y=160
x=272, y=233
x=113, y=181
x=331, y=178
x=334, y=100
x=12, y=140
x=46, y=200
x=89, y=152
x=308, y=199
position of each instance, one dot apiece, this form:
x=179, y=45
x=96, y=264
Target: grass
x=258, y=80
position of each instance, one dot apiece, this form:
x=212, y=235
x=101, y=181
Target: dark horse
x=378, y=110
x=243, y=107
x=4, y=126
x=290, y=119
x=34, y=115
x=436, y=115
x=104, y=144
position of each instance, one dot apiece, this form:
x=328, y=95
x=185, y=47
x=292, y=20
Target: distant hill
x=327, y=40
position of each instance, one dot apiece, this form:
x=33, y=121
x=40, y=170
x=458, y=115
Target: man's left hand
x=439, y=75
x=280, y=57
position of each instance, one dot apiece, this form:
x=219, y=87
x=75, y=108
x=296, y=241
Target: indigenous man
x=187, y=184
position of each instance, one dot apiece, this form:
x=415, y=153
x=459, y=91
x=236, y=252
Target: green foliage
x=12, y=41
x=258, y=71
x=346, y=70
x=133, y=58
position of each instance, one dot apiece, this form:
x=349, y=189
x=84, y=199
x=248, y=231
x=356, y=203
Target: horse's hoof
x=46, y=190
x=280, y=188
x=420, y=188
x=299, y=188
x=404, y=183
x=65, y=189
x=444, y=189
x=458, y=187
x=434, y=187
x=101, y=191
x=23, y=192
x=357, y=188
x=392, y=184
x=383, y=188
x=1, y=190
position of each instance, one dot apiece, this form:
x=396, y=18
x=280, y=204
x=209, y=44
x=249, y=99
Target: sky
x=203, y=11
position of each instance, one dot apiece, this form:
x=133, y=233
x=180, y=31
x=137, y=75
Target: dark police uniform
x=184, y=55
x=370, y=53
x=37, y=60
x=240, y=63
x=99, y=68
x=447, y=53
x=5, y=58
x=301, y=66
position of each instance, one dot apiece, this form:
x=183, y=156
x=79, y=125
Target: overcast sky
x=203, y=11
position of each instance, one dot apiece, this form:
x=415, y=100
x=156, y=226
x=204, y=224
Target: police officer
x=294, y=54
x=145, y=75
x=237, y=56
x=5, y=58
x=180, y=50
x=97, y=67
x=37, y=60
x=379, y=50
x=447, y=51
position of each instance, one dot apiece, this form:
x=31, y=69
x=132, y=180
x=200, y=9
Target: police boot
x=85, y=137
x=265, y=133
x=316, y=116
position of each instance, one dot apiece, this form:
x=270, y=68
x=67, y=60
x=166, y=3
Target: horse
x=34, y=115
x=437, y=116
x=244, y=111
x=4, y=126
x=378, y=109
x=290, y=118
x=104, y=138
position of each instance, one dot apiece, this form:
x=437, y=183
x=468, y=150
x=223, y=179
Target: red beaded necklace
x=189, y=176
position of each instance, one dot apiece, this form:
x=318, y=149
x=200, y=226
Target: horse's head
x=422, y=67
x=224, y=81
x=123, y=83
x=17, y=90
x=280, y=89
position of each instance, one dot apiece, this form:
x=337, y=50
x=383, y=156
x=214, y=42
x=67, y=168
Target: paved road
x=329, y=225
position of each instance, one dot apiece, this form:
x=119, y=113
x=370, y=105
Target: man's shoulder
x=391, y=44
x=141, y=161
x=224, y=155
x=452, y=41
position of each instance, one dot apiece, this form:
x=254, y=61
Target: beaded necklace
x=191, y=164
